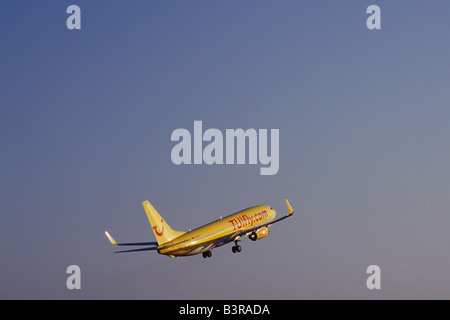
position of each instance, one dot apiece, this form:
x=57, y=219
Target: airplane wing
x=136, y=250
x=290, y=213
x=114, y=243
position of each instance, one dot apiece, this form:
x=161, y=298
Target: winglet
x=113, y=242
x=291, y=212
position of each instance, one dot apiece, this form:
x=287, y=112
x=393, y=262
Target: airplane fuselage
x=217, y=233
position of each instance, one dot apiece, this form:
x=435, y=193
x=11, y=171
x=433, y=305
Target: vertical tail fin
x=163, y=232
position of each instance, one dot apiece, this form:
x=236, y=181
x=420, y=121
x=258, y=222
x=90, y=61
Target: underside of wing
x=114, y=243
x=137, y=250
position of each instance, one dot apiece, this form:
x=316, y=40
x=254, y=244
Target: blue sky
x=87, y=115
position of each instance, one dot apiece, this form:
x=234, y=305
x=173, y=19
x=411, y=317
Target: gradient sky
x=364, y=119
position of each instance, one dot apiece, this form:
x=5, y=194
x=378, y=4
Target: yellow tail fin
x=163, y=232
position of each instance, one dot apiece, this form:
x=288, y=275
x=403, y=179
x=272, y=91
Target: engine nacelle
x=263, y=232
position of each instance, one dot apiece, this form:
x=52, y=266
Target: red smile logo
x=162, y=230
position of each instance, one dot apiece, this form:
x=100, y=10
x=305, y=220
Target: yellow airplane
x=252, y=222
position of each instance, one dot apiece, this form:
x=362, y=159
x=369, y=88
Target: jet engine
x=258, y=235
